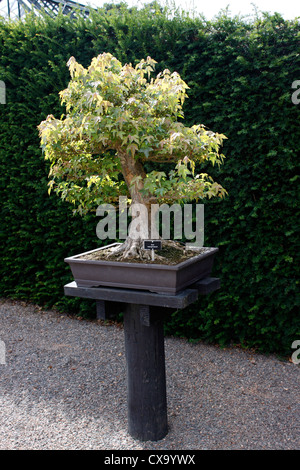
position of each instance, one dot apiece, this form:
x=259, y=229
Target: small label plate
x=152, y=244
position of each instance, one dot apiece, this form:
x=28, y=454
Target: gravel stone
x=63, y=387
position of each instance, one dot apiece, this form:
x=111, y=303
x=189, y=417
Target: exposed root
x=133, y=249
x=130, y=249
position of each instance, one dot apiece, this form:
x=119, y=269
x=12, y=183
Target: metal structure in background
x=15, y=9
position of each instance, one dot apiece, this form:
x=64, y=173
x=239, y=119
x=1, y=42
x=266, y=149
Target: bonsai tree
x=120, y=124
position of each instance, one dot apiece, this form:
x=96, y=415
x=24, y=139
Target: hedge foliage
x=240, y=75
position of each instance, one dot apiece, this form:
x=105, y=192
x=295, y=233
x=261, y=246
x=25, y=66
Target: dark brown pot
x=153, y=277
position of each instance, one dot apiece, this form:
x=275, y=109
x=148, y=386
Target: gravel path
x=63, y=386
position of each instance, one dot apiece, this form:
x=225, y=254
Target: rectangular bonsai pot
x=158, y=278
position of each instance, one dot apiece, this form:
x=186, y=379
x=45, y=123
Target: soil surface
x=170, y=255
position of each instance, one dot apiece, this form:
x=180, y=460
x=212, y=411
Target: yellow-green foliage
x=115, y=110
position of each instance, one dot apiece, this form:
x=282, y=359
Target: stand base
x=144, y=346
x=146, y=379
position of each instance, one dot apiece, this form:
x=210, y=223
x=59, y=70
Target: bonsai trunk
x=140, y=227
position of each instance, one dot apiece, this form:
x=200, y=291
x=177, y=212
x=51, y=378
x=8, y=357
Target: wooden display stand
x=144, y=346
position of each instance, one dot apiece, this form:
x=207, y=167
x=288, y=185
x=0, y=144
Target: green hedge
x=240, y=77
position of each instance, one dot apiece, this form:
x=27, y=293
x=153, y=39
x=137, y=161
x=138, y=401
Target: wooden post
x=146, y=378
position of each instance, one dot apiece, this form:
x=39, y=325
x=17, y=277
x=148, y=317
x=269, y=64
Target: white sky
x=289, y=9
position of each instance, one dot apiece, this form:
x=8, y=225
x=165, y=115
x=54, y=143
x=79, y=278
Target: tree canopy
x=118, y=117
